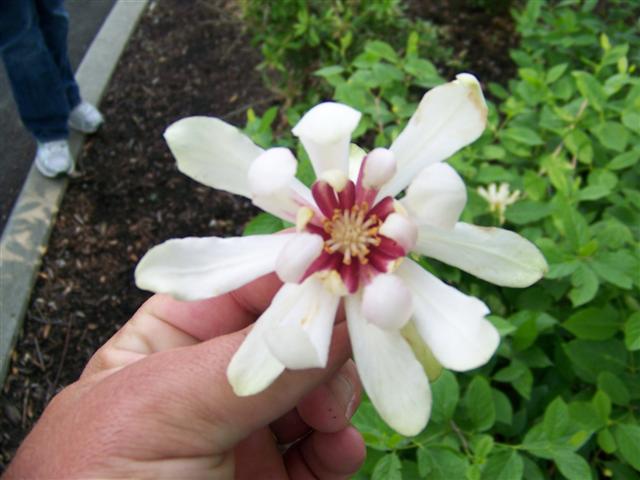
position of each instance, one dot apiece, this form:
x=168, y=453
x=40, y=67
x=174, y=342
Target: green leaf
x=591, y=89
x=388, y=468
x=624, y=160
x=329, y=71
x=593, y=192
x=628, y=440
x=615, y=388
x=632, y=332
x=572, y=465
x=554, y=73
x=438, y=463
x=504, y=410
x=376, y=433
x=522, y=135
x=556, y=419
x=606, y=441
x=611, y=271
x=585, y=286
x=505, y=465
x=479, y=404
x=528, y=211
x=612, y=135
x=263, y=223
x=592, y=324
x=602, y=404
x=445, y=393
x=590, y=358
x=382, y=50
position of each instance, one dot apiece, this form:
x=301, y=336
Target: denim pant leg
x=35, y=79
x=54, y=24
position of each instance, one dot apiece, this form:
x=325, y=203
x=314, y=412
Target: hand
x=154, y=402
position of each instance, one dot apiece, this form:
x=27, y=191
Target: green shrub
x=561, y=399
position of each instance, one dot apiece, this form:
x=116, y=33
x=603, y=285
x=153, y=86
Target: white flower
x=351, y=243
x=499, y=198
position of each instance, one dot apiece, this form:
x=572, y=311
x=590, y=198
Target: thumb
x=197, y=375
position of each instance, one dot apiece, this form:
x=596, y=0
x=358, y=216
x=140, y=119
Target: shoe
x=54, y=158
x=85, y=118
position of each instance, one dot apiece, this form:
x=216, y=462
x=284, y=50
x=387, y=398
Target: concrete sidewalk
x=26, y=233
x=17, y=148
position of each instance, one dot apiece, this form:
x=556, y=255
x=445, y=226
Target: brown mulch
x=185, y=58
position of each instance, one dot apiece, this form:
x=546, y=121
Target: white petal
x=356, y=156
x=297, y=255
x=379, y=168
x=448, y=118
x=212, y=152
x=253, y=367
x=325, y=131
x=197, y=268
x=436, y=196
x=496, y=255
x=390, y=373
x=302, y=335
x=451, y=323
x=399, y=228
x=386, y=302
x=273, y=185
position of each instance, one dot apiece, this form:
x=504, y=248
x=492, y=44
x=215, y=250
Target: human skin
x=154, y=402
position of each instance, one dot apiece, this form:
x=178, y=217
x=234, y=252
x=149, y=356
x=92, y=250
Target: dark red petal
x=390, y=248
x=325, y=197
x=350, y=275
x=311, y=228
x=325, y=261
x=379, y=261
x=383, y=208
x=347, y=196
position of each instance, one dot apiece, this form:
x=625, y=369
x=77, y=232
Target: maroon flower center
x=353, y=244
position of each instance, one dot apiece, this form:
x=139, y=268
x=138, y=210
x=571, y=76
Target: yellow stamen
x=351, y=234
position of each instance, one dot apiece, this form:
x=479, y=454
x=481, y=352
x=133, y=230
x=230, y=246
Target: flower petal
x=386, y=302
x=198, y=268
x=274, y=187
x=401, y=229
x=212, y=152
x=390, y=373
x=253, y=367
x=448, y=118
x=325, y=131
x=301, y=337
x=451, y=323
x=297, y=256
x=436, y=196
x=493, y=254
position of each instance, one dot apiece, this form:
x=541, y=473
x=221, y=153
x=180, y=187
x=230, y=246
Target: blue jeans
x=33, y=44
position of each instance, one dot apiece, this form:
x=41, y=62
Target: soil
x=185, y=58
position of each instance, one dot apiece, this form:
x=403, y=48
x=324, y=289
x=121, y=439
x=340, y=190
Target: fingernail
x=344, y=393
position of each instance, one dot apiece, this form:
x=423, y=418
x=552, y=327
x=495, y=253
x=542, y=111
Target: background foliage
x=561, y=399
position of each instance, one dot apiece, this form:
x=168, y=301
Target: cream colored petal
x=212, y=152
x=198, y=268
x=451, y=323
x=274, y=187
x=496, y=255
x=392, y=377
x=301, y=337
x=325, y=131
x=436, y=196
x=448, y=118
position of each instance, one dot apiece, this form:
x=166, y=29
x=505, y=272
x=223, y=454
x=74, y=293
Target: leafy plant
x=561, y=399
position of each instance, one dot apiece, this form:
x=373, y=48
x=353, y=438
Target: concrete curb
x=26, y=234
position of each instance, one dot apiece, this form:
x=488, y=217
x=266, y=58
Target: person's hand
x=154, y=402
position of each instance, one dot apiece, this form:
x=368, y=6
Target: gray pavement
x=16, y=146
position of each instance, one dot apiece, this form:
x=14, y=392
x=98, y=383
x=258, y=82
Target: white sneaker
x=85, y=118
x=54, y=158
